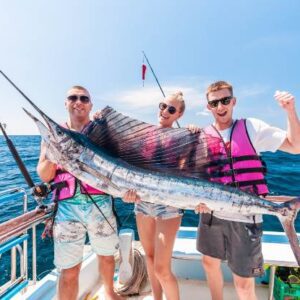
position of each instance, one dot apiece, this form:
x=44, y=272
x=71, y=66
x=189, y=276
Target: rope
x=139, y=278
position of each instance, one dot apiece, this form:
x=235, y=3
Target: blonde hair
x=178, y=96
x=217, y=86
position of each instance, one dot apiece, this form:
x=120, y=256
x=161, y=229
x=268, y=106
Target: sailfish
x=102, y=168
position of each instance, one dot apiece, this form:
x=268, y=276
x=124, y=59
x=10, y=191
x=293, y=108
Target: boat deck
x=190, y=289
x=186, y=265
x=193, y=290
x=91, y=286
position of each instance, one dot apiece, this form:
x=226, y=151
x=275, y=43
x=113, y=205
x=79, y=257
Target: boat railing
x=14, y=237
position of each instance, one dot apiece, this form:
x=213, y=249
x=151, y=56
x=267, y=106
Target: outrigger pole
x=156, y=79
x=153, y=73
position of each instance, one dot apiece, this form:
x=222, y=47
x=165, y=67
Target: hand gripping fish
x=94, y=165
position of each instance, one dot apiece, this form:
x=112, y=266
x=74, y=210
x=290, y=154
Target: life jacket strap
x=228, y=160
x=211, y=218
x=247, y=183
x=59, y=185
x=220, y=173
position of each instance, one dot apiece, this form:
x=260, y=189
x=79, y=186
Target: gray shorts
x=237, y=242
x=157, y=210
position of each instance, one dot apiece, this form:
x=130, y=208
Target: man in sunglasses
x=235, y=161
x=81, y=209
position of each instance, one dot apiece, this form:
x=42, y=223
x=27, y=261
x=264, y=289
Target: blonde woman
x=157, y=224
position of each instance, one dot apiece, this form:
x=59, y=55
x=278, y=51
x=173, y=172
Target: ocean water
x=283, y=179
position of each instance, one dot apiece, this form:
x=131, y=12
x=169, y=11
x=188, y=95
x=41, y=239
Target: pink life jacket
x=237, y=163
x=68, y=190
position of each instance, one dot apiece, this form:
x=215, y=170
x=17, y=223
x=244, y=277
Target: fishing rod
x=38, y=191
x=17, y=157
x=155, y=77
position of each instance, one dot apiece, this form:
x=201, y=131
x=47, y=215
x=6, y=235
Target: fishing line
x=153, y=73
x=95, y=203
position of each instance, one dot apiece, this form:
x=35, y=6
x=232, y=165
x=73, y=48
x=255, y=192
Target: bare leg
x=68, y=283
x=212, y=267
x=245, y=287
x=107, y=270
x=164, y=242
x=146, y=228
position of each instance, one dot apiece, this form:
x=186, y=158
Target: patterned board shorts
x=157, y=210
x=73, y=222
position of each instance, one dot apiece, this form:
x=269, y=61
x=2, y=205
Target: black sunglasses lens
x=225, y=101
x=172, y=110
x=162, y=106
x=213, y=103
x=72, y=98
x=84, y=99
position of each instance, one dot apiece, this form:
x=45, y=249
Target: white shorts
x=73, y=222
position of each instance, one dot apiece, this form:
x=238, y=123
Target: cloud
x=138, y=98
x=146, y=97
x=284, y=39
x=204, y=113
x=252, y=91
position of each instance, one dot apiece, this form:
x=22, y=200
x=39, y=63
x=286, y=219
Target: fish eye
x=59, y=131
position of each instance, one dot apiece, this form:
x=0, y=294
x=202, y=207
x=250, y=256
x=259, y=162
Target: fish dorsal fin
x=174, y=151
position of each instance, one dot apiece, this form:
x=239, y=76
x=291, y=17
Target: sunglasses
x=82, y=98
x=171, y=109
x=224, y=101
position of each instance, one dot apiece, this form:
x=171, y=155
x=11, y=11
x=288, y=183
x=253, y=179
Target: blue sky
x=48, y=46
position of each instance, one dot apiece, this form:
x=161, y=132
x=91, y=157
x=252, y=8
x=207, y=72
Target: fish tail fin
x=287, y=217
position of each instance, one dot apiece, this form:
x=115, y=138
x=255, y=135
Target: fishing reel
x=40, y=192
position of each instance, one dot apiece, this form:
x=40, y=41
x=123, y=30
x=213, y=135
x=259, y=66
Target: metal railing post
x=13, y=264
x=34, y=276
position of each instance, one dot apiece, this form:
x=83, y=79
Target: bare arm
x=45, y=168
x=292, y=142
